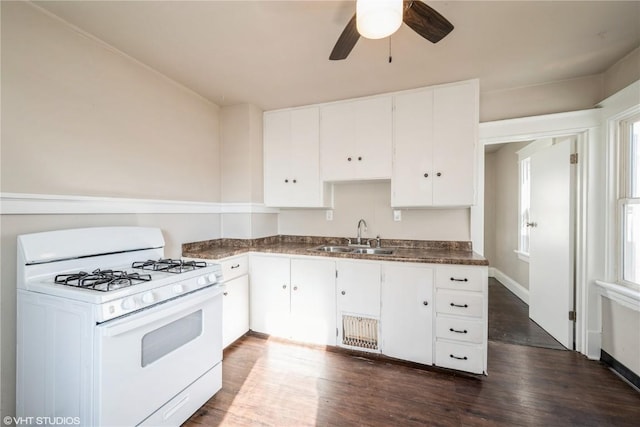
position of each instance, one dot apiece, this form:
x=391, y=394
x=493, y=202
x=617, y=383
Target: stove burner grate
x=169, y=265
x=102, y=280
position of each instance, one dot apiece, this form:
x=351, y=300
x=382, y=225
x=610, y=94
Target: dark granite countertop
x=422, y=251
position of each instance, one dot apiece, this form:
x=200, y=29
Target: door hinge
x=573, y=159
x=336, y=331
x=336, y=274
x=572, y=315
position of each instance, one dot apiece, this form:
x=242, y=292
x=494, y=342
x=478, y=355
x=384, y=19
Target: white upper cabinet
x=355, y=140
x=435, y=142
x=292, y=159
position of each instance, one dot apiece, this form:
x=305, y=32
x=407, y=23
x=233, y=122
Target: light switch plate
x=329, y=214
x=397, y=215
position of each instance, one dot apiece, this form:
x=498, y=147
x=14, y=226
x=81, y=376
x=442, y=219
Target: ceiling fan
x=421, y=18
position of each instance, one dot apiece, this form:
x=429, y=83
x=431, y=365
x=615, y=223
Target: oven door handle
x=166, y=312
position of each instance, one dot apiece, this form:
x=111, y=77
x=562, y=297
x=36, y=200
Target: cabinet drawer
x=234, y=267
x=460, y=329
x=459, y=303
x=464, y=357
x=463, y=279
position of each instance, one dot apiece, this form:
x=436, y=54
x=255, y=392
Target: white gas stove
x=104, y=318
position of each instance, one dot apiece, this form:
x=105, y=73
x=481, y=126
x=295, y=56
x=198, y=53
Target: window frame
x=624, y=197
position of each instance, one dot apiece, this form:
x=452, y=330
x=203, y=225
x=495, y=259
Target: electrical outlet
x=329, y=214
x=397, y=215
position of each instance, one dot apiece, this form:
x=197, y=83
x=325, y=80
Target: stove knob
x=128, y=303
x=148, y=298
x=178, y=289
x=212, y=278
x=202, y=281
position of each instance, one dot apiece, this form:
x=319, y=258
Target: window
x=525, y=205
x=629, y=201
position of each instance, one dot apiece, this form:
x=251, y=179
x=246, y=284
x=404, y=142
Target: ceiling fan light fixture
x=377, y=19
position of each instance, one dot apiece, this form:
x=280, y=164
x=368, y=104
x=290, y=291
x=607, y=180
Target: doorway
x=528, y=235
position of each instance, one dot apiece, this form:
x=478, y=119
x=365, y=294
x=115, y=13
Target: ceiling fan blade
x=425, y=21
x=346, y=41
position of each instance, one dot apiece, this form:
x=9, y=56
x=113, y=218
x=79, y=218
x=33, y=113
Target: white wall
x=79, y=118
x=547, y=98
x=504, y=198
x=371, y=201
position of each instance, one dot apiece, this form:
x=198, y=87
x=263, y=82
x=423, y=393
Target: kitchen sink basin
x=340, y=249
x=373, y=251
x=351, y=250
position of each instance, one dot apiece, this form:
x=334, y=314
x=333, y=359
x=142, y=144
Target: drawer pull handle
x=453, y=279
x=456, y=357
x=235, y=266
x=458, y=305
x=464, y=331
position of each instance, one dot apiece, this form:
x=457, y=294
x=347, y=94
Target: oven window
x=164, y=340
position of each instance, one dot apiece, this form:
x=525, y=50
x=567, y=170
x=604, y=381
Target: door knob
x=532, y=224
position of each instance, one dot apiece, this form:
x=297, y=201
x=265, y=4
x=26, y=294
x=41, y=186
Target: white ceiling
x=274, y=54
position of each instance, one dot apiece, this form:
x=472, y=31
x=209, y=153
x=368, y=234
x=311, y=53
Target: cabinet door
x=277, y=142
x=412, y=179
x=235, y=309
x=455, y=135
x=358, y=286
x=313, y=301
x=407, y=313
x=373, y=120
x=304, y=154
x=269, y=295
x=337, y=141
x=292, y=158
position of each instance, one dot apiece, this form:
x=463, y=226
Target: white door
x=550, y=252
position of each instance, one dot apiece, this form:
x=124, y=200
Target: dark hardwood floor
x=270, y=382
x=273, y=382
x=509, y=320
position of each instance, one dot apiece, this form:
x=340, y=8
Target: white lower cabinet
x=293, y=298
x=407, y=312
x=424, y=313
x=358, y=305
x=235, y=301
x=461, y=318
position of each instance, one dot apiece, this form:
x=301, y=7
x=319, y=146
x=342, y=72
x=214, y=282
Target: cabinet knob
x=359, y=158
x=348, y=159
x=295, y=180
x=439, y=174
x=225, y=294
x=426, y=175
x=286, y=180
x=343, y=293
x=295, y=288
x=284, y=286
x=425, y=302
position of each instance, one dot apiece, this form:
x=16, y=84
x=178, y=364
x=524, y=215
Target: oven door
x=145, y=359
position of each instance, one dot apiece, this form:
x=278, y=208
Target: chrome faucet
x=359, y=238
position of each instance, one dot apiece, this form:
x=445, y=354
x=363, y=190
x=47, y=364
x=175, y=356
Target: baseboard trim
x=515, y=287
x=620, y=369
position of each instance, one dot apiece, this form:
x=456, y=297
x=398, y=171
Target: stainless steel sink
x=351, y=250
x=340, y=249
x=373, y=251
